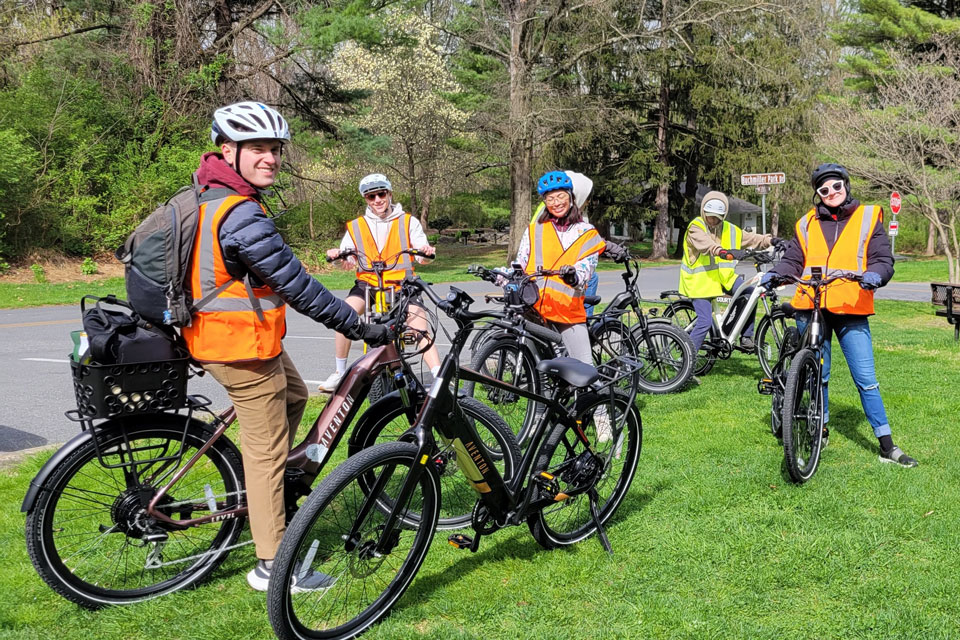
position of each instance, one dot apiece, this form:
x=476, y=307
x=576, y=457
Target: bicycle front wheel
x=459, y=497
x=802, y=422
x=89, y=535
x=666, y=355
x=508, y=361
x=329, y=578
x=682, y=315
x=611, y=340
x=605, y=467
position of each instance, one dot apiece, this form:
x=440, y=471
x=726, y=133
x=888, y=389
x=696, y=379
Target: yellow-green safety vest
x=709, y=276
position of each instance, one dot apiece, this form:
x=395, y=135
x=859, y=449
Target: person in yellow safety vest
x=840, y=233
x=380, y=233
x=240, y=257
x=582, y=187
x=711, y=248
x=560, y=239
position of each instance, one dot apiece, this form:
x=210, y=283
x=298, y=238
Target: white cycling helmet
x=714, y=204
x=248, y=121
x=374, y=182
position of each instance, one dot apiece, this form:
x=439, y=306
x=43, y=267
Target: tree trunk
x=774, y=216
x=412, y=173
x=661, y=228
x=313, y=233
x=521, y=136
x=931, y=241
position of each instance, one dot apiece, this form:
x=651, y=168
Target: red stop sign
x=895, y=202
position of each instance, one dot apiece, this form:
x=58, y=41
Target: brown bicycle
x=139, y=505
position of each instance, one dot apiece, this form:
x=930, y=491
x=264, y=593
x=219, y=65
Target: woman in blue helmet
x=560, y=239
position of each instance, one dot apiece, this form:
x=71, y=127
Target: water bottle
x=81, y=346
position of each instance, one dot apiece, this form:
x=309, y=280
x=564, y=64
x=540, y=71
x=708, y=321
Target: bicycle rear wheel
x=459, y=497
x=607, y=465
x=802, y=417
x=336, y=533
x=91, y=540
x=610, y=340
x=771, y=331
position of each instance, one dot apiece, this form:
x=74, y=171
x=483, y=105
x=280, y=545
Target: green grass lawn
x=921, y=270
x=711, y=542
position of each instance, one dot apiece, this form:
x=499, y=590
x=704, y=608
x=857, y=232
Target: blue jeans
x=853, y=333
x=591, y=290
x=704, y=311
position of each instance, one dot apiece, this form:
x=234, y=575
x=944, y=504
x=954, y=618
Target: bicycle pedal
x=549, y=485
x=765, y=387
x=462, y=541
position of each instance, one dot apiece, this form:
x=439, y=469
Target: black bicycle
x=370, y=522
x=799, y=391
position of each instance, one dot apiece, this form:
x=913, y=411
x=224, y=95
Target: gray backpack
x=156, y=258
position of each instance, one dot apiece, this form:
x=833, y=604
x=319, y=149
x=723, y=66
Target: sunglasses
x=825, y=189
x=376, y=194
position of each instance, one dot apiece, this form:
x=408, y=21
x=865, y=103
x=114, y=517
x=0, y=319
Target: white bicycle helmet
x=374, y=182
x=248, y=121
x=714, y=204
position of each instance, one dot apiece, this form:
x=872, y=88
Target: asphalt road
x=35, y=342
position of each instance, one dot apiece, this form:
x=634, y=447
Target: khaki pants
x=270, y=397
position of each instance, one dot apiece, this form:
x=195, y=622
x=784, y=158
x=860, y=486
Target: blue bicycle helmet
x=554, y=181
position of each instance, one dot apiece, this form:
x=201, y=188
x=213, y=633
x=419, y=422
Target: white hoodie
x=380, y=228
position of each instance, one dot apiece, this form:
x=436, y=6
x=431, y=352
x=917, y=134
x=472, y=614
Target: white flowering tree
x=407, y=103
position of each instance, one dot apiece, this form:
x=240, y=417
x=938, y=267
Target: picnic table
x=475, y=234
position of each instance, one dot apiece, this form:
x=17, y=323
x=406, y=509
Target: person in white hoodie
x=380, y=233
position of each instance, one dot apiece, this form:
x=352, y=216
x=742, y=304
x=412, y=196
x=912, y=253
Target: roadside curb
x=10, y=459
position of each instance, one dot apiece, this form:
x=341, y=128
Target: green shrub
x=89, y=267
x=441, y=222
x=501, y=223
x=433, y=238
x=39, y=273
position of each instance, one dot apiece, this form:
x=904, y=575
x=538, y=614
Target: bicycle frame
x=308, y=458
x=507, y=502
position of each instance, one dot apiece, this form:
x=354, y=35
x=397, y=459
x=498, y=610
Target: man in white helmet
x=242, y=262
x=710, y=252
x=380, y=233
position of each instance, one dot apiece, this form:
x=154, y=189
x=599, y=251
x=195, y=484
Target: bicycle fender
x=601, y=322
x=39, y=480
x=620, y=301
x=387, y=403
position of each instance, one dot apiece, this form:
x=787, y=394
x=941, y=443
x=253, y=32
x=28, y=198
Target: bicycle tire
x=613, y=339
x=668, y=366
x=510, y=361
x=80, y=484
x=771, y=330
x=802, y=417
x=459, y=497
x=570, y=521
x=681, y=314
x=319, y=539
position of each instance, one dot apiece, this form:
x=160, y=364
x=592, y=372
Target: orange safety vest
x=241, y=322
x=398, y=239
x=849, y=253
x=559, y=302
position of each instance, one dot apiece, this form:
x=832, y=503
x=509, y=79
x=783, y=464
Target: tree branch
x=58, y=36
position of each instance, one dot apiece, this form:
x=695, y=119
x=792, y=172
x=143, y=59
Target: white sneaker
x=602, y=423
x=259, y=578
x=330, y=384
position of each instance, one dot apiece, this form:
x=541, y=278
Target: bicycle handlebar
x=349, y=253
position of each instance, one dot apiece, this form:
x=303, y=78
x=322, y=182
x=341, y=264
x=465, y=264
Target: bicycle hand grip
x=542, y=332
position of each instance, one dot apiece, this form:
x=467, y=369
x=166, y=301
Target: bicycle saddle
x=570, y=370
x=591, y=300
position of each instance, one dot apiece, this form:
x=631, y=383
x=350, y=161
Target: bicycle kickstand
x=604, y=540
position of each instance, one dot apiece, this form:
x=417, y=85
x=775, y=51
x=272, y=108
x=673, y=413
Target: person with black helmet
x=711, y=247
x=840, y=233
x=242, y=264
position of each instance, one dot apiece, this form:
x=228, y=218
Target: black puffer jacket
x=879, y=255
x=252, y=245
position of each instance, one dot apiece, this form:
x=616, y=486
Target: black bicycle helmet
x=829, y=170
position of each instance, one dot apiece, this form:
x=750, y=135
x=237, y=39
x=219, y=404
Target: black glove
x=371, y=333
x=777, y=242
x=615, y=251
x=569, y=275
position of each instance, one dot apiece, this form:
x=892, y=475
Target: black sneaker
x=259, y=578
x=747, y=343
x=826, y=439
x=896, y=456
